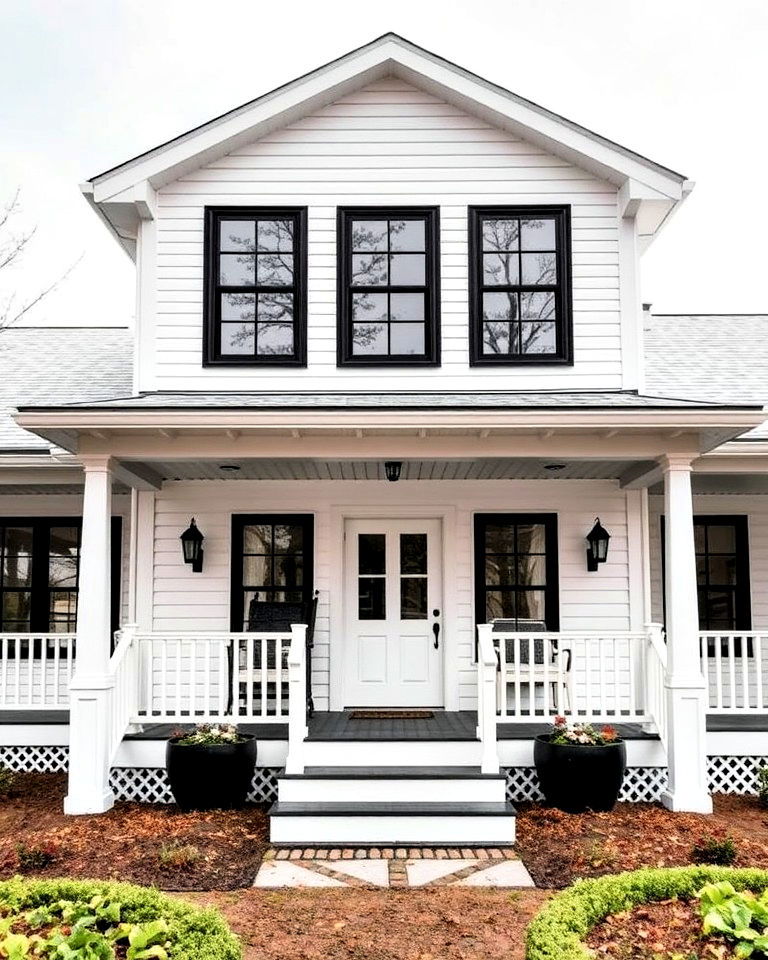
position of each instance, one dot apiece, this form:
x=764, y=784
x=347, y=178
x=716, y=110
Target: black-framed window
x=255, y=286
x=388, y=286
x=516, y=569
x=40, y=571
x=520, y=285
x=272, y=562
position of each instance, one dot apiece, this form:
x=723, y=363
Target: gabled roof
x=124, y=194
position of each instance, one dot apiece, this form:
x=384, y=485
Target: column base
x=685, y=801
x=81, y=803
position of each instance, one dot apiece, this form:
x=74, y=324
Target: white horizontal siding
x=386, y=144
x=184, y=601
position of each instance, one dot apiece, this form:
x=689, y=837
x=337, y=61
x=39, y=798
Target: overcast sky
x=87, y=84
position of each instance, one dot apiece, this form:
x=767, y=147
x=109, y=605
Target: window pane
x=406, y=338
x=500, y=604
x=17, y=571
x=500, y=571
x=369, y=270
x=275, y=339
x=538, y=337
x=275, y=307
x=722, y=571
x=369, y=338
x=62, y=572
x=532, y=571
x=371, y=603
x=530, y=606
x=407, y=235
x=64, y=541
x=238, y=306
x=721, y=538
x=238, y=338
x=371, y=552
x=500, y=234
x=413, y=598
x=531, y=538
x=289, y=538
x=369, y=235
x=699, y=535
x=275, y=269
x=370, y=306
x=538, y=268
x=257, y=538
x=413, y=553
x=276, y=235
x=16, y=605
x=501, y=269
x=289, y=570
x=500, y=538
x=406, y=306
x=237, y=270
x=238, y=235
x=407, y=269
x=63, y=605
x=720, y=608
x=18, y=541
x=257, y=571
x=537, y=306
x=499, y=306
x=497, y=337
x=537, y=234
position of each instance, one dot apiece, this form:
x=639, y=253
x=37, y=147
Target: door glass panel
x=371, y=553
x=371, y=598
x=413, y=553
x=413, y=598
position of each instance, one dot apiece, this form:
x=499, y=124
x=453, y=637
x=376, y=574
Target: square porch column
x=686, y=690
x=90, y=688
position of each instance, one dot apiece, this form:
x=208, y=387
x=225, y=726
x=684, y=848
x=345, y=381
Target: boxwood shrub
x=557, y=932
x=195, y=934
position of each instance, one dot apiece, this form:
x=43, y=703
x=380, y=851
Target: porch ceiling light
x=597, y=545
x=392, y=469
x=192, y=546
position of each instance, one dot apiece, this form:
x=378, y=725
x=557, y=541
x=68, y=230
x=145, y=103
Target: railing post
x=486, y=699
x=133, y=679
x=297, y=698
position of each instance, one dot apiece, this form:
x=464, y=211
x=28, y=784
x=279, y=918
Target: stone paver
x=371, y=871
x=421, y=872
x=508, y=873
x=288, y=873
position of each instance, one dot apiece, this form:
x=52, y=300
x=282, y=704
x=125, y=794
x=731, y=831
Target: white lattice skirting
x=734, y=774
x=641, y=784
x=35, y=759
x=150, y=784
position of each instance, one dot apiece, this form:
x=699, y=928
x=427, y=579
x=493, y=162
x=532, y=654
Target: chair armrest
x=567, y=653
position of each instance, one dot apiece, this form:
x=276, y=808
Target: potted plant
x=210, y=767
x=580, y=767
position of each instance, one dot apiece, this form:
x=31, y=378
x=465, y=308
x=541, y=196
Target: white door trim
x=338, y=516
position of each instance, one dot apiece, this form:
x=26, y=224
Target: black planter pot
x=210, y=776
x=576, y=778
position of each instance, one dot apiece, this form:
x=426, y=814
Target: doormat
x=392, y=715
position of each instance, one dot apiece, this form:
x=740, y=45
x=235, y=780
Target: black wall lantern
x=192, y=546
x=392, y=469
x=597, y=545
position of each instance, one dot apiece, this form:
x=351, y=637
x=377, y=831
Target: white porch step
x=392, y=824
x=391, y=753
x=402, y=785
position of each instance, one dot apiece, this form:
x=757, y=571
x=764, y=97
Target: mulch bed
x=558, y=848
x=355, y=924
x=220, y=850
x=655, y=931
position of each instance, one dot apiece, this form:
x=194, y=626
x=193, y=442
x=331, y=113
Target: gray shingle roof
x=57, y=365
x=709, y=357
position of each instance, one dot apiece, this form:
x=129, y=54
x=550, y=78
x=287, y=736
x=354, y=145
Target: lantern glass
x=192, y=545
x=597, y=545
x=392, y=469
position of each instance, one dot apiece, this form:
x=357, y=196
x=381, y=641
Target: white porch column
x=90, y=688
x=685, y=685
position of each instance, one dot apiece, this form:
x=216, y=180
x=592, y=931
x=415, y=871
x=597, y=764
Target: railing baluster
x=4, y=693
x=718, y=671
x=278, y=642
x=757, y=645
x=633, y=648
x=207, y=678
x=518, y=678
x=504, y=679
x=744, y=674
x=732, y=672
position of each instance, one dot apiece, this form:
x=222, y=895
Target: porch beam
x=640, y=476
x=137, y=475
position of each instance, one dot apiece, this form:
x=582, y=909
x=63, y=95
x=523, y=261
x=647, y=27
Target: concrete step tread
x=407, y=809
x=391, y=773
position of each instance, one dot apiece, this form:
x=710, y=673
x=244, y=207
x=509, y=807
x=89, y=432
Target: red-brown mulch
x=224, y=846
x=558, y=848
x=654, y=931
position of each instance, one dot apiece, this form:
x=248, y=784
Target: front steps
x=390, y=805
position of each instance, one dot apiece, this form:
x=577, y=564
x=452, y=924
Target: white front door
x=393, y=604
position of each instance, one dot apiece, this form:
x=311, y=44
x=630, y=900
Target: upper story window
x=388, y=296
x=520, y=285
x=255, y=286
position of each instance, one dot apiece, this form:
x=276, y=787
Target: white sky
x=89, y=83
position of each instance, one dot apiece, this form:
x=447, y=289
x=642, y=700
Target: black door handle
x=436, y=631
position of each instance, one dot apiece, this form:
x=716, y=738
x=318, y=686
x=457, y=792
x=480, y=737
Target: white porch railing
x=486, y=699
x=735, y=666
x=35, y=670
x=123, y=701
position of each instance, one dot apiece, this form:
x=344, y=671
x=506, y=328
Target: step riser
x=393, y=830
x=391, y=791
x=386, y=753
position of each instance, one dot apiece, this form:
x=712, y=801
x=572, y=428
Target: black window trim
x=39, y=620
x=242, y=520
x=344, y=355
x=564, y=303
x=211, y=355
x=551, y=539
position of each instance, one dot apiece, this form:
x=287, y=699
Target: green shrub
x=34, y=858
x=176, y=854
x=719, y=853
x=7, y=781
x=192, y=934
x=762, y=786
x=557, y=932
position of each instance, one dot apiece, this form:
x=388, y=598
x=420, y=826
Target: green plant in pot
x=210, y=767
x=580, y=767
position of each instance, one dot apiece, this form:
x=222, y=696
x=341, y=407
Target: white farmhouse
x=390, y=361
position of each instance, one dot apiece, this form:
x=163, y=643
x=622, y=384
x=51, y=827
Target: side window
x=255, y=286
x=520, y=285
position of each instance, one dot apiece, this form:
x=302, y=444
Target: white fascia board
x=390, y=55
x=126, y=241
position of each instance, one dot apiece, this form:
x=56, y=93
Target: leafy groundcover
x=89, y=920
x=558, y=932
